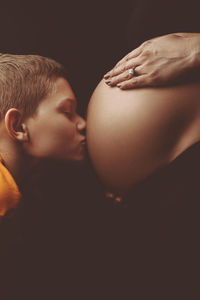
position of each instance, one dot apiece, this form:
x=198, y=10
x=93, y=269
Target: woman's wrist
x=190, y=50
x=192, y=40
x=194, y=49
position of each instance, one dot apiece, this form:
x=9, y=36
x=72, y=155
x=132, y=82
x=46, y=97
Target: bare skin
x=131, y=134
x=161, y=61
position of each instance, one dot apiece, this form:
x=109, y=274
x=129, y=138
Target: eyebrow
x=64, y=101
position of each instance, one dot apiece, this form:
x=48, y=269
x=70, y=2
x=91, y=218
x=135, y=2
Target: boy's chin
x=79, y=160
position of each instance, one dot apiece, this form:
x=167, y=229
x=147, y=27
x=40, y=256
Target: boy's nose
x=81, y=125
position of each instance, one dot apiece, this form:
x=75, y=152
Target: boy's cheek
x=50, y=138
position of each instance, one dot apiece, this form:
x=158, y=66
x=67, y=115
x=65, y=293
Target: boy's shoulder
x=9, y=192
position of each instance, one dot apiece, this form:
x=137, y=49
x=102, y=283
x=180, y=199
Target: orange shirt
x=9, y=192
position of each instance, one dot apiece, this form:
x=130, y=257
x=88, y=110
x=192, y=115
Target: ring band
x=131, y=71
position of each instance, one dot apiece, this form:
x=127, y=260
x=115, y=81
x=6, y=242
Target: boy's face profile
x=56, y=130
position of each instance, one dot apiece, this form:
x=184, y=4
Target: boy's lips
x=83, y=141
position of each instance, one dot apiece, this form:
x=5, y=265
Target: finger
x=135, y=82
x=122, y=77
x=118, y=199
x=136, y=52
x=109, y=195
x=124, y=59
x=107, y=75
x=124, y=67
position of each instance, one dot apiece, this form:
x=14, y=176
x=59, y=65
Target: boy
x=38, y=120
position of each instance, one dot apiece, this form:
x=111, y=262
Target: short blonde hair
x=25, y=80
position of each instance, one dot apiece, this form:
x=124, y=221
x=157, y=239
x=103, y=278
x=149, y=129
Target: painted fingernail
x=106, y=75
x=118, y=199
x=109, y=195
x=108, y=81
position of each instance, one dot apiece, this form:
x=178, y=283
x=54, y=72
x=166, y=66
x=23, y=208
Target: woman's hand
x=160, y=61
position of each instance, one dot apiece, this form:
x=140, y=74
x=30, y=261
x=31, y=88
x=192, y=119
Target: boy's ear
x=15, y=128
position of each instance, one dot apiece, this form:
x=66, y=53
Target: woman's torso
x=132, y=134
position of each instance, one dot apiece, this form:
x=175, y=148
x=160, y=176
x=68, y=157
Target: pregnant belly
x=130, y=134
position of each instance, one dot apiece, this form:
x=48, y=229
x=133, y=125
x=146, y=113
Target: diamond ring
x=131, y=71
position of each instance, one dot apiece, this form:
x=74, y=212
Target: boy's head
x=38, y=108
